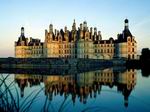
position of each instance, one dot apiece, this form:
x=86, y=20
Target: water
x=107, y=90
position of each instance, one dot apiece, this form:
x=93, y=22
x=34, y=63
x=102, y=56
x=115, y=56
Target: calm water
x=107, y=90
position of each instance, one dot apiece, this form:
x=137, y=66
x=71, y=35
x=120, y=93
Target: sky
x=107, y=15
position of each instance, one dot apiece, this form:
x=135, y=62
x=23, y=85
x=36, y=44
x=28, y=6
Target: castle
x=82, y=42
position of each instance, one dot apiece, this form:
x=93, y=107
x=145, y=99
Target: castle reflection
x=83, y=85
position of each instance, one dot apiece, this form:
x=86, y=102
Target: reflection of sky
x=109, y=99
x=36, y=15
x=141, y=94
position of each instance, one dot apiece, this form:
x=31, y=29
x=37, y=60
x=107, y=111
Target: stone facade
x=83, y=42
x=126, y=45
x=25, y=49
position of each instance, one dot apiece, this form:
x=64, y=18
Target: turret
x=126, y=24
x=55, y=32
x=66, y=34
x=126, y=31
x=95, y=31
x=22, y=31
x=65, y=29
x=99, y=35
x=74, y=25
x=81, y=26
x=22, y=37
x=91, y=30
x=46, y=33
x=95, y=34
x=85, y=25
x=50, y=28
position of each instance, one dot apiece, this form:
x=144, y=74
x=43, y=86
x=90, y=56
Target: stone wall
x=53, y=63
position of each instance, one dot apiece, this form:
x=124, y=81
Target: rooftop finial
x=74, y=25
x=22, y=31
x=126, y=24
x=126, y=20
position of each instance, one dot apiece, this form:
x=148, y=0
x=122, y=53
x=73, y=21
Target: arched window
x=129, y=39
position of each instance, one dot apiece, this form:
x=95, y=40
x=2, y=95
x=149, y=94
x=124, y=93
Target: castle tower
x=99, y=35
x=95, y=31
x=50, y=28
x=95, y=34
x=91, y=32
x=65, y=29
x=81, y=26
x=46, y=33
x=84, y=25
x=74, y=25
x=126, y=31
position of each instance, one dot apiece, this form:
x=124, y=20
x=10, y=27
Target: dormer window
x=129, y=39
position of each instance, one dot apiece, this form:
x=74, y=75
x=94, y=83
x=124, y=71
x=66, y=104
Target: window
x=129, y=39
x=95, y=51
x=128, y=56
x=133, y=56
x=132, y=49
x=107, y=50
x=111, y=50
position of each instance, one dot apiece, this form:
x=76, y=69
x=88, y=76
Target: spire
x=126, y=24
x=85, y=25
x=126, y=31
x=99, y=35
x=22, y=31
x=74, y=25
x=22, y=37
x=51, y=28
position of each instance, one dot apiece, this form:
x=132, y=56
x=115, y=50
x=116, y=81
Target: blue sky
x=107, y=15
